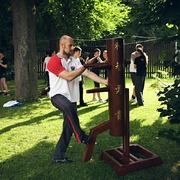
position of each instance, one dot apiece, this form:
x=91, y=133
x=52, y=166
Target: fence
x=157, y=52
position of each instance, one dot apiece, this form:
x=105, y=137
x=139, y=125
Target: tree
x=23, y=12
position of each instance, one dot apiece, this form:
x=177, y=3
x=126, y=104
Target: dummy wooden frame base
x=138, y=158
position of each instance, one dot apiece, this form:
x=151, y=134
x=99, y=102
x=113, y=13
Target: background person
x=3, y=68
x=132, y=70
x=105, y=60
x=140, y=64
x=46, y=60
x=77, y=55
x=96, y=59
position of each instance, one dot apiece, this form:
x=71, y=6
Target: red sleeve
x=55, y=66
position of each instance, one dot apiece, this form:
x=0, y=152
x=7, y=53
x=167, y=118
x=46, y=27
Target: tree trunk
x=25, y=57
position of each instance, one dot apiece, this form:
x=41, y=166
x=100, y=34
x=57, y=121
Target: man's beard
x=67, y=54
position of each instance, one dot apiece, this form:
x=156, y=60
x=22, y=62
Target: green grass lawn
x=29, y=133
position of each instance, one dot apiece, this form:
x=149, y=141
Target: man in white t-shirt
x=45, y=63
x=77, y=55
x=64, y=72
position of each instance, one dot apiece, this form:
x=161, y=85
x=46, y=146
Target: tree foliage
x=108, y=16
x=170, y=101
x=155, y=18
x=158, y=19
x=6, y=24
x=87, y=19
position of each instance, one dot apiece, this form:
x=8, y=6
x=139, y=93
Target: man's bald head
x=65, y=39
x=66, y=45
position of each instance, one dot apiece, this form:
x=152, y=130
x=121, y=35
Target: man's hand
x=106, y=81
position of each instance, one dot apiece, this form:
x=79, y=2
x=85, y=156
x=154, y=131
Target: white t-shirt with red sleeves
x=69, y=89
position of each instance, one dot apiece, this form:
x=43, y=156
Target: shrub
x=170, y=102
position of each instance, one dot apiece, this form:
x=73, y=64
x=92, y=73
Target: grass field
x=29, y=133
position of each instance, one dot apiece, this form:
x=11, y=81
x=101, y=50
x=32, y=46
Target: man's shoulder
x=54, y=58
x=133, y=54
x=73, y=59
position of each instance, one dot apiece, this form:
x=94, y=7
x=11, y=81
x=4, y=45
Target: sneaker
x=102, y=101
x=83, y=104
x=86, y=139
x=134, y=100
x=140, y=105
x=94, y=99
x=6, y=94
x=64, y=160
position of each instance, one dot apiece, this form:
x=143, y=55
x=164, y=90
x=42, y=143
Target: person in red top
x=64, y=74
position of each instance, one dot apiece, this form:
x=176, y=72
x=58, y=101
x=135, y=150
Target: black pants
x=81, y=100
x=47, y=78
x=139, y=88
x=70, y=124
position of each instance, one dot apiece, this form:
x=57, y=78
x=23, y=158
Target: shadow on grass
x=36, y=163
x=18, y=111
x=30, y=121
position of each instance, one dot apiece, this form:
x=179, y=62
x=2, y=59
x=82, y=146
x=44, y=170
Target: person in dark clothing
x=140, y=63
x=105, y=60
x=96, y=59
x=3, y=67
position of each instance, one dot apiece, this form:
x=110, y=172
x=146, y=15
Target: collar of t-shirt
x=67, y=61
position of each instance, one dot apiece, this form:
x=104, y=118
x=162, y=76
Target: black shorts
x=96, y=84
x=133, y=77
x=97, y=73
x=3, y=75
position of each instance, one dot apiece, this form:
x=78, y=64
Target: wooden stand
x=139, y=158
x=129, y=157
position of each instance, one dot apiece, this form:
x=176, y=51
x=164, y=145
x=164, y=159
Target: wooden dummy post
x=115, y=91
x=117, y=86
